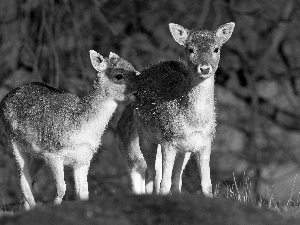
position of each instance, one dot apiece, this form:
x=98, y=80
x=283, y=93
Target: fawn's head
x=116, y=74
x=202, y=46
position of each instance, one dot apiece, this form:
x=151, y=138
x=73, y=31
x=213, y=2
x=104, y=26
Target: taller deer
x=175, y=108
x=47, y=126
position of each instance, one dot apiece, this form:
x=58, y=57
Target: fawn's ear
x=179, y=33
x=98, y=61
x=224, y=32
x=113, y=56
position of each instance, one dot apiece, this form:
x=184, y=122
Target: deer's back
x=163, y=82
x=38, y=113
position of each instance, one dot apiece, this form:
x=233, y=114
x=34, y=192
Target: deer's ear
x=98, y=61
x=113, y=56
x=224, y=32
x=179, y=33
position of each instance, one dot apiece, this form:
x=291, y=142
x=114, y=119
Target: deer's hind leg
x=137, y=172
x=23, y=163
x=149, y=148
x=128, y=144
x=35, y=165
x=56, y=167
x=81, y=183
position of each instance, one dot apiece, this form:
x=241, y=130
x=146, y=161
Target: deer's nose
x=204, y=69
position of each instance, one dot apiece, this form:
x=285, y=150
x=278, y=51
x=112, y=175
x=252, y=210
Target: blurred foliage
x=257, y=91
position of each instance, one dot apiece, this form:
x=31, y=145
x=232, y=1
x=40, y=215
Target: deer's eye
x=216, y=50
x=119, y=77
x=191, y=50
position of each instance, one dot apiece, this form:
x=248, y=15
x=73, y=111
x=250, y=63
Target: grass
x=242, y=193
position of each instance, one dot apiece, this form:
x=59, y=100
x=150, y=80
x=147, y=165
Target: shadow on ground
x=151, y=209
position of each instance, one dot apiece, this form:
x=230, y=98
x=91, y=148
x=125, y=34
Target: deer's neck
x=201, y=98
x=202, y=92
x=200, y=110
x=97, y=107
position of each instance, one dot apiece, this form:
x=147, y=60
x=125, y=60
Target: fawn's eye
x=191, y=50
x=216, y=50
x=119, y=77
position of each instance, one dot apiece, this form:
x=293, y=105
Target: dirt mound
x=149, y=209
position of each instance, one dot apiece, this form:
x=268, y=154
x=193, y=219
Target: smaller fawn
x=174, y=110
x=47, y=126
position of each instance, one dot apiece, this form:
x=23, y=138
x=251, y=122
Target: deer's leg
x=168, y=158
x=35, y=166
x=158, y=169
x=81, y=183
x=137, y=181
x=57, y=169
x=148, y=149
x=203, y=161
x=23, y=162
x=136, y=164
x=138, y=167
x=179, y=165
x=137, y=172
x=128, y=143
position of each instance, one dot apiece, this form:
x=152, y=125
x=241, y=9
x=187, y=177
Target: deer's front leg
x=203, y=161
x=168, y=158
x=180, y=163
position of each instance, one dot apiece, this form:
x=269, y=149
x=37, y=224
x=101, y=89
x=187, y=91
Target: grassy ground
x=151, y=209
x=230, y=205
x=112, y=203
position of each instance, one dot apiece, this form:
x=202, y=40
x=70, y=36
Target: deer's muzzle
x=204, y=69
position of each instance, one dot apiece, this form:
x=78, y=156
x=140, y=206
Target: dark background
x=257, y=84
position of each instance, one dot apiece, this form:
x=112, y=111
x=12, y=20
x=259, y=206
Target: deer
x=46, y=126
x=174, y=114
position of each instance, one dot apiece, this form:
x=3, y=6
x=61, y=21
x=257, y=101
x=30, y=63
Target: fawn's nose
x=204, y=69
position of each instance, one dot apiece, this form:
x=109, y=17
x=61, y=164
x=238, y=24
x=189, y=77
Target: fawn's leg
x=57, y=169
x=168, y=158
x=149, y=149
x=81, y=183
x=23, y=162
x=35, y=165
x=179, y=165
x=203, y=160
